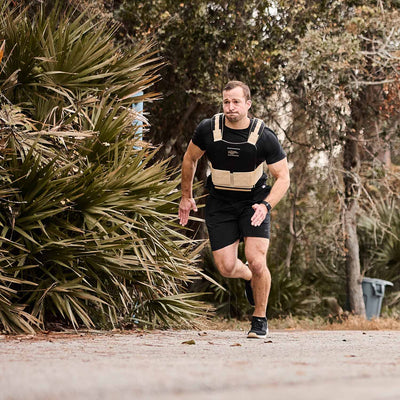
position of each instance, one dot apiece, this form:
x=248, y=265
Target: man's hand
x=260, y=212
x=185, y=206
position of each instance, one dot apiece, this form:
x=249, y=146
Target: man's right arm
x=189, y=164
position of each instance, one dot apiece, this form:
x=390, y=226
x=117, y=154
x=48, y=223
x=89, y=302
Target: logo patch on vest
x=233, y=151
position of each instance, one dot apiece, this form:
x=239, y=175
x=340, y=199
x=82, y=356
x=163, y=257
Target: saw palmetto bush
x=87, y=218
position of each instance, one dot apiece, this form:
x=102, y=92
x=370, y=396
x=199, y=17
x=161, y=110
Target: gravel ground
x=211, y=365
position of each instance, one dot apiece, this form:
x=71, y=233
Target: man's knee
x=258, y=266
x=226, y=268
x=256, y=254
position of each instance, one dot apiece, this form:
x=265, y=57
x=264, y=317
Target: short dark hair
x=233, y=84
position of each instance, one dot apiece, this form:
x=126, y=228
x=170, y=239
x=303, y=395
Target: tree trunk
x=299, y=173
x=351, y=164
x=354, y=289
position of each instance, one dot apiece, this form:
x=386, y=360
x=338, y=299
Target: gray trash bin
x=373, y=292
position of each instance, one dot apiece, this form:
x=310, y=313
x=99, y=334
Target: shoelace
x=257, y=324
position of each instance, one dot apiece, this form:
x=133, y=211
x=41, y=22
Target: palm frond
x=87, y=219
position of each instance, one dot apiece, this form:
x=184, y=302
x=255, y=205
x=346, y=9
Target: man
x=239, y=202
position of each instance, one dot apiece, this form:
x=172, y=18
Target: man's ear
x=248, y=104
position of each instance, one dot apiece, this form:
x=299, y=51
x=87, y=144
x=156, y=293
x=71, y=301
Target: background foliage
x=324, y=76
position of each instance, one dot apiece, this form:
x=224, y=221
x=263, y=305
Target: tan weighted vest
x=238, y=181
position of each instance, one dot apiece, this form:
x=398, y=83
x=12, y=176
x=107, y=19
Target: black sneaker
x=248, y=291
x=259, y=328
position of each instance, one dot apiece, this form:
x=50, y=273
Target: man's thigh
x=226, y=255
x=256, y=248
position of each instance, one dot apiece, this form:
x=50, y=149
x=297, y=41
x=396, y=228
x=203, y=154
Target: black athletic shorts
x=228, y=221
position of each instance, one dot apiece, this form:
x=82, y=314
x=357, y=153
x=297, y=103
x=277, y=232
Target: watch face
x=267, y=205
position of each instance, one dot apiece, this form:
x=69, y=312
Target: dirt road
x=219, y=365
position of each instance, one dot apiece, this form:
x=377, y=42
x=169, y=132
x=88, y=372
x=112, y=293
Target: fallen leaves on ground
x=189, y=342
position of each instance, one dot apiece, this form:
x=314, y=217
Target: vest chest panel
x=234, y=165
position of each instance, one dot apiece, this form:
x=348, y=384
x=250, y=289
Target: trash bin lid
x=379, y=281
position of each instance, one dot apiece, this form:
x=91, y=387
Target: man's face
x=235, y=104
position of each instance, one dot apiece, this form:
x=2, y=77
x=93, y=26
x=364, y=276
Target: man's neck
x=242, y=124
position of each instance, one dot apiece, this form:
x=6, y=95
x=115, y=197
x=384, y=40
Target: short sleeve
x=201, y=134
x=270, y=147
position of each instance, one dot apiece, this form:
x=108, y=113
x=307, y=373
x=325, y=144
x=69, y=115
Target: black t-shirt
x=268, y=149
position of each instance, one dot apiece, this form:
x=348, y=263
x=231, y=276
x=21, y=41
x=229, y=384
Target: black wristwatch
x=266, y=204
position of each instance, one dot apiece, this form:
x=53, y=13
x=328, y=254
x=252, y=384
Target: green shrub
x=88, y=229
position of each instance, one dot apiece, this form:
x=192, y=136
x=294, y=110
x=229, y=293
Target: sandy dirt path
x=219, y=365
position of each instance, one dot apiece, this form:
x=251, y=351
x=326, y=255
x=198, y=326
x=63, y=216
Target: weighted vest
x=234, y=165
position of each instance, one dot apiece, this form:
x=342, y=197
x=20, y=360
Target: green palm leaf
x=88, y=227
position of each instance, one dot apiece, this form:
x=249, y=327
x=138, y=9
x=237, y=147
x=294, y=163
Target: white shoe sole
x=253, y=335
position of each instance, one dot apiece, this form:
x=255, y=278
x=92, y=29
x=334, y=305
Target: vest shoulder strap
x=216, y=124
x=257, y=127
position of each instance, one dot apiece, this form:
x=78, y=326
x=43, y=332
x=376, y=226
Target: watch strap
x=269, y=207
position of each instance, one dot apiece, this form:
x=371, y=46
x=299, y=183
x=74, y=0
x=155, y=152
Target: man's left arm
x=280, y=171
